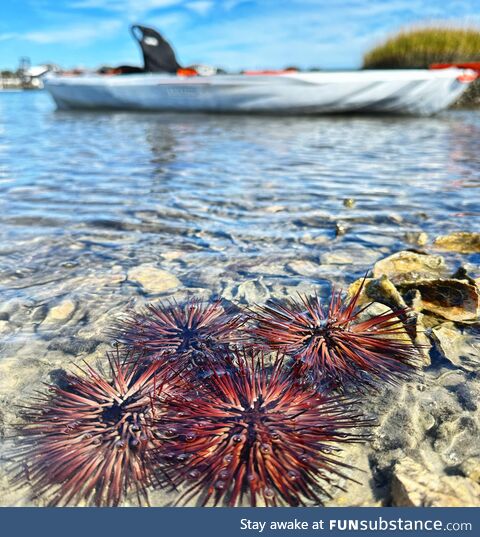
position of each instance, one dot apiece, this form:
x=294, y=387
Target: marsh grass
x=418, y=48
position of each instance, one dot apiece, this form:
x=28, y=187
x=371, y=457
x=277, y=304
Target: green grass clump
x=418, y=48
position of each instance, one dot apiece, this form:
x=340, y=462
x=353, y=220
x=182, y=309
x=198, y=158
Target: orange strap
x=473, y=67
x=187, y=71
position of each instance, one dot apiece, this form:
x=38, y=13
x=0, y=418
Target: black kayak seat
x=158, y=55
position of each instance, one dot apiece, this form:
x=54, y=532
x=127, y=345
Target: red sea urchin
x=184, y=333
x=332, y=345
x=89, y=440
x=258, y=433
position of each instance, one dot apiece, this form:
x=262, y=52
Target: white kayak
x=413, y=91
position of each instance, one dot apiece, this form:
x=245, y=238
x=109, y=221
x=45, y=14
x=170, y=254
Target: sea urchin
x=256, y=433
x=90, y=439
x=332, y=344
x=183, y=333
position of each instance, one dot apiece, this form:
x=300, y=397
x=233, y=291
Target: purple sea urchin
x=184, y=333
x=90, y=439
x=256, y=433
x=332, y=345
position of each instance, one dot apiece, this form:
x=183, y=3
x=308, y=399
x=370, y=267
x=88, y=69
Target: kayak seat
x=158, y=55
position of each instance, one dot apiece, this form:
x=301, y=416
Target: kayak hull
x=416, y=92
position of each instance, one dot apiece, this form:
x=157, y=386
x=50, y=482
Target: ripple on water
x=84, y=192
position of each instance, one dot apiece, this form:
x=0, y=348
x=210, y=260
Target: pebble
x=173, y=254
x=414, y=485
x=274, y=208
x=408, y=266
x=61, y=312
x=340, y=229
x=152, y=279
x=461, y=350
x=335, y=258
x=303, y=268
x=315, y=239
x=249, y=292
x=377, y=290
x=462, y=242
x=419, y=238
x=471, y=468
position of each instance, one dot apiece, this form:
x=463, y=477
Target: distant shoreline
x=16, y=83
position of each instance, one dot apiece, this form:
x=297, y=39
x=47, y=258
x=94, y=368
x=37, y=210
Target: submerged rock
x=454, y=300
x=74, y=345
x=336, y=258
x=414, y=485
x=381, y=291
x=471, y=469
x=417, y=331
x=410, y=329
x=413, y=298
x=5, y=327
x=460, y=349
x=462, y=274
x=249, y=292
x=456, y=437
x=61, y=312
x=274, y=209
x=418, y=238
x=315, y=240
x=152, y=279
x=303, y=268
x=377, y=290
x=173, y=255
x=406, y=266
x=422, y=280
x=375, y=309
x=462, y=242
x=340, y=229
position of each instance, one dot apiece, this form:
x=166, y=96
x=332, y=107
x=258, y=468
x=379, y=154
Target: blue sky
x=230, y=33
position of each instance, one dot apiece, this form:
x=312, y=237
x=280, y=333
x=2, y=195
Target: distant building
x=26, y=76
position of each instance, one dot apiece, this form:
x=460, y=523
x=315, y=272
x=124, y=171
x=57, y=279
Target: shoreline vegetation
x=419, y=47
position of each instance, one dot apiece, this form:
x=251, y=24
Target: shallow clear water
x=239, y=207
x=239, y=197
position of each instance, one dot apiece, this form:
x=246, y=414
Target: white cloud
x=202, y=7
x=130, y=8
x=77, y=35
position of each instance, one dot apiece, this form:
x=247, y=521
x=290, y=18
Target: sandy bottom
x=428, y=428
